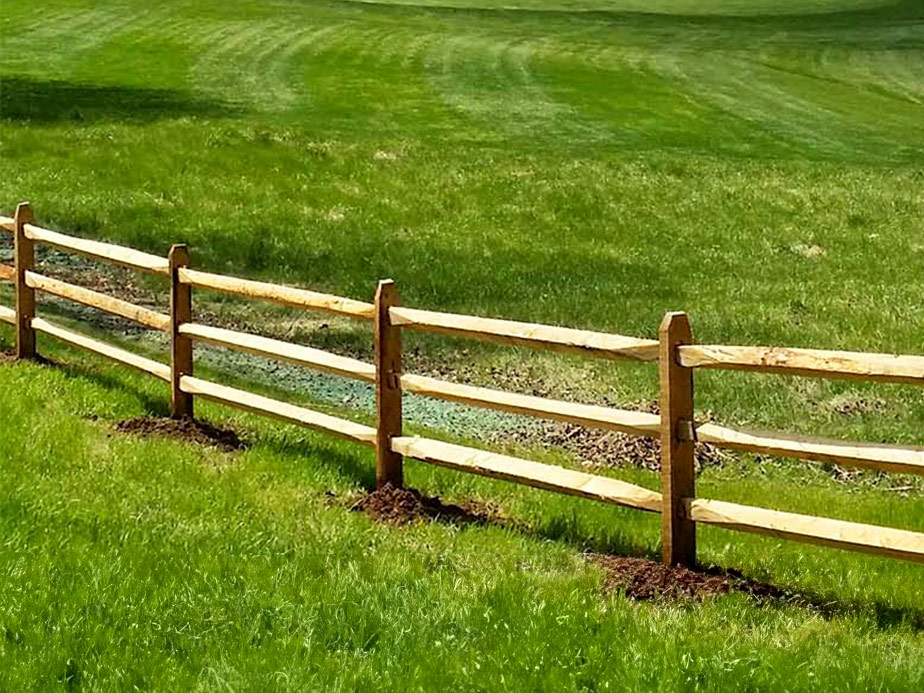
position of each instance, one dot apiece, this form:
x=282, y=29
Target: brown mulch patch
x=644, y=579
x=607, y=449
x=190, y=430
x=403, y=506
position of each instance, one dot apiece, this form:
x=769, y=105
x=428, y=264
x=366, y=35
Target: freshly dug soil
x=402, y=506
x=644, y=579
x=190, y=430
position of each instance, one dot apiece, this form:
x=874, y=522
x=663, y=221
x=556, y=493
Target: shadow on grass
x=564, y=529
x=52, y=101
x=155, y=406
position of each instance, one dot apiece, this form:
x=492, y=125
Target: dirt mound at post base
x=190, y=430
x=402, y=506
x=644, y=579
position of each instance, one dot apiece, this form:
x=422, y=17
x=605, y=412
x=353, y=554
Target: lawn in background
x=758, y=164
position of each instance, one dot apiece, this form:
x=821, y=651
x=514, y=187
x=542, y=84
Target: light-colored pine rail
x=280, y=410
x=7, y=224
x=298, y=298
x=631, y=422
x=810, y=362
x=7, y=315
x=530, y=473
x=882, y=541
x=134, y=259
x=146, y=365
x=273, y=348
x=888, y=458
x=7, y=272
x=559, y=339
x=95, y=299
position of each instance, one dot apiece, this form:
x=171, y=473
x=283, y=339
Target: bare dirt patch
x=403, y=506
x=189, y=430
x=644, y=579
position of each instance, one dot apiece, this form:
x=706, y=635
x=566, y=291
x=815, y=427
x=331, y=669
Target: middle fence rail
x=675, y=353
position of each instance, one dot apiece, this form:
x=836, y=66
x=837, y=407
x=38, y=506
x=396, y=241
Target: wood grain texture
x=882, y=541
x=115, y=353
x=389, y=467
x=117, y=254
x=279, y=410
x=888, y=458
x=94, y=299
x=559, y=339
x=678, y=534
x=284, y=351
x=625, y=421
x=299, y=298
x=7, y=273
x=530, y=473
x=24, y=254
x=808, y=362
x=181, y=346
x=7, y=315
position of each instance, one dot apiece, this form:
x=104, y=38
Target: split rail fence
x=675, y=353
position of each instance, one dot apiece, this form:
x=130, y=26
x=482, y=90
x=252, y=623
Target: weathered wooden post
x=678, y=533
x=181, y=350
x=24, y=250
x=388, y=464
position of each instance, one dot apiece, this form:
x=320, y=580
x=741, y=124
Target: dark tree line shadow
x=55, y=101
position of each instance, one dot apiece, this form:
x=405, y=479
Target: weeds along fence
x=675, y=353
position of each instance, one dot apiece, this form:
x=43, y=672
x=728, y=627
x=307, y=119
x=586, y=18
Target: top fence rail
x=561, y=339
x=807, y=362
x=299, y=298
x=134, y=259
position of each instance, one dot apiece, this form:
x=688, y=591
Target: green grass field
x=591, y=163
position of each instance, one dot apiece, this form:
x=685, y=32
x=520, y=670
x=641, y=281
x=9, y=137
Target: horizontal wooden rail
x=273, y=348
x=299, y=298
x=7, y=315
x=811, y=362
x=7, y=224
x=559, y=339
x=280, y=410
x=889, y=458
x=146, y=365
x=7, y=272
x=94, y=299
x=135, y=259
x=632, y=422
x=544, y=476
x=882, y=541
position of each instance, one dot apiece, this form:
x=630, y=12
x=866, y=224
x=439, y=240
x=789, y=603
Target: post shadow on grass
x=153, y=405
x=55, y=101
x=358, y=468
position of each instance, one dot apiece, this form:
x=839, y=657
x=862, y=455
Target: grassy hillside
x=594, y=164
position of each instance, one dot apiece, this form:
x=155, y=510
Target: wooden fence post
x=24, y=250
x=388, y=464
x=181, y=350
x=678, y=533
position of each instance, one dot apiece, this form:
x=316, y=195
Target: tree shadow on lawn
x=53, y=101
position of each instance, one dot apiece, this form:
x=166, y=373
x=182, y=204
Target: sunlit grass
x=591, y=164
